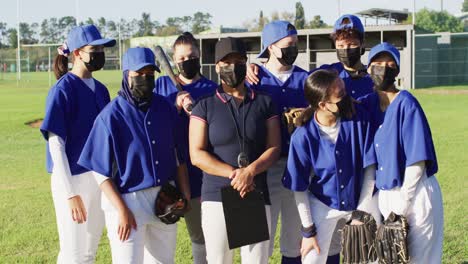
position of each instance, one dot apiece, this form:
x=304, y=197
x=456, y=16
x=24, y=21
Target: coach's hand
x=242, y=179
x=78, y=210
x=126, y=223
x=309, y=244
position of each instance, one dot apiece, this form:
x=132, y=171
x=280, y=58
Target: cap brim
x=104, y=42
x=229, y=53
x=394, y=56
x=263, y=54
x=143, y=65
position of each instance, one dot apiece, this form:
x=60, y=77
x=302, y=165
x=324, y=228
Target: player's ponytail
x=61, y=61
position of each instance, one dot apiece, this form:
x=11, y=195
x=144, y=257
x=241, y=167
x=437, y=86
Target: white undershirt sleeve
x=303, y=206
x=61, y=165
x=99, y=178
x=413, y=175
x=367, y=188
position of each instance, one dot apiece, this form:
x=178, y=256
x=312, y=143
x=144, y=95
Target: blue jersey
x=355, y=87
x=71, y=108
x=284, y=95
x=136, y=149
x=331, y=172
x=219, y=111
x=402, y=137
x=202, y=87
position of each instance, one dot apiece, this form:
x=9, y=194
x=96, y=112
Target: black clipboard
x=246, y=220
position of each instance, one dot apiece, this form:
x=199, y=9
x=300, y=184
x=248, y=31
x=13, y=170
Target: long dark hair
x=316, y=90
x=317, y=87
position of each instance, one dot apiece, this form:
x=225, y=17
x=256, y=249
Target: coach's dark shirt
x=223, y=140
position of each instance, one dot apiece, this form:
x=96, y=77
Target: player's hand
x=126, y=223
x=242, y=179
x=309, y=244
x=78, y=210
x=252, y=74
x=183, y=100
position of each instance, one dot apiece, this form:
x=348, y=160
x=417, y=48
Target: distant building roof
x=221, y=29
x=397, y=16
x=462, y=16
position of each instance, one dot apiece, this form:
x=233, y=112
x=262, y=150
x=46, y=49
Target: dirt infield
x=36, y=123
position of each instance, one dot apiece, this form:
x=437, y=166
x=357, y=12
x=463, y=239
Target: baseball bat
x=166, y=66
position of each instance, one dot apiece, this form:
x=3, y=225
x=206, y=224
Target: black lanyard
x=242, y=159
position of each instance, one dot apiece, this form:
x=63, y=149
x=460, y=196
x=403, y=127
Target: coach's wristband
x=309, y=232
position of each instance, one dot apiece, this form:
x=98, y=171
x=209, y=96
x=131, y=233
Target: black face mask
x=349, y=57
x=345, y=108
x=97, y=59
x=189, y=68
x=142, y=87
x=383, y=77
x=233, y=74
x=288, y=55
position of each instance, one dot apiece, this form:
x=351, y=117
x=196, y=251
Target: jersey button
x=337, y=152
x=342, y=186
x=353, y=92
x=285, y=108
x=154, y=142
x=149, y=123
x=381, y=168
x=377, y=145
x=380, y=126
x=340, y=170
x=343, y=202
x=284, y=90
x=159, y=180
x=156, y=162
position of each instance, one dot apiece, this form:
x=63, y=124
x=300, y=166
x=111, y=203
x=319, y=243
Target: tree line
x=55, y=30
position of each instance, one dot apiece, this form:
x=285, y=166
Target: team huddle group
x=325, y=150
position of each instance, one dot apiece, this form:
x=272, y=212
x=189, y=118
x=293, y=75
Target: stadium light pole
x=18, y=37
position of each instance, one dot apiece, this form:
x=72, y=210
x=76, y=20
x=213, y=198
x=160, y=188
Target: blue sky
x=226, y=13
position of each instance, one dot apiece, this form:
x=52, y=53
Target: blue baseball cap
x=273, y=32
x=87, y=35
x=384, y=47
x=354, y=23
x=137, y=58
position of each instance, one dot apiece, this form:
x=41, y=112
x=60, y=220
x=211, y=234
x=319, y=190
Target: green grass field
x=27, y=219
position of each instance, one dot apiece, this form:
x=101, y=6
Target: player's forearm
x=60, y=161
x=111, y=192
x=368, y=184
x=183, y=180
x=303, y=207
x=413, y=175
